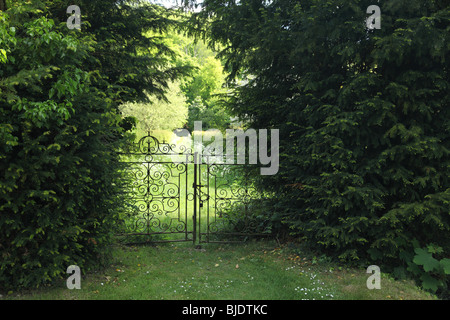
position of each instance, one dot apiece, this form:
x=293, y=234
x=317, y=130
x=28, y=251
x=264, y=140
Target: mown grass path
x=256, y=271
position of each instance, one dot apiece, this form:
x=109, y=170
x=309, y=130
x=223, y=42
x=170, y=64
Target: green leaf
x=425, y=259
x=429, y=283
x=3, y=56
x=434, y=249
x=445, y=264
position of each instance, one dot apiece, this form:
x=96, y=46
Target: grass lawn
x=255, y=270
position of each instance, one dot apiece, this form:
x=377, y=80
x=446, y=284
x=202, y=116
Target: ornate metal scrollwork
x=154, y=188
x=168, y=192
x=231, y=200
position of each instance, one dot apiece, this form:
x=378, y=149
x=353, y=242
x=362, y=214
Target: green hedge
x=58, y=166
x=364, y=121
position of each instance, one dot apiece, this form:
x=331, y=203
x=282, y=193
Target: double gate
x=174, y=194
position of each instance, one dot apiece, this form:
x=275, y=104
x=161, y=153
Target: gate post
x=194, y=185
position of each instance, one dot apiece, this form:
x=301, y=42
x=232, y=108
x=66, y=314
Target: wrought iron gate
x=173, y=194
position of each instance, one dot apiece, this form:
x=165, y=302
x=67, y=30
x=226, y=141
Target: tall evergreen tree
x=363, y=117
x=124, y=54
x=60, y=129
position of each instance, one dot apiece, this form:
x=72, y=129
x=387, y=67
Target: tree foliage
x=130, y=49
x=204, y=86
x=60, y=129
x=363, y=117
x=194, y=97
x=205, y=94
x=159, y=114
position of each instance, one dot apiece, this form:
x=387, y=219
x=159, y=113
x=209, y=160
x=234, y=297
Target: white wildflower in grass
x=315, y=290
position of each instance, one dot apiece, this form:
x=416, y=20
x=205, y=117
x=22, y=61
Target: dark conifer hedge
x=364, y=121
x=60, y=129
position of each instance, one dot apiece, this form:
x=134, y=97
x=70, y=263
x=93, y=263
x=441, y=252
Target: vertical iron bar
x=201, y=202
x=246, y=195
x=180, y=219
x=148, y=187
x=147, y=196
x=186, y=198
x=194, y=185
x=207, y=211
